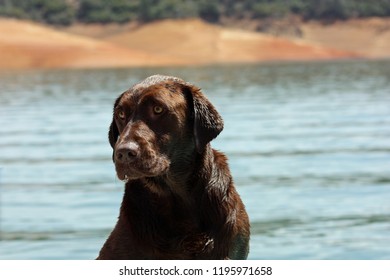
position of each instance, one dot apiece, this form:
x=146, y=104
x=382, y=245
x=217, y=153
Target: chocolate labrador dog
x=179, y=201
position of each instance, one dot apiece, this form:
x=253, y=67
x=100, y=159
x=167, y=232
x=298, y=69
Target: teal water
x=308, y=146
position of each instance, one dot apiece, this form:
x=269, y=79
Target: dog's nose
x=126, y=152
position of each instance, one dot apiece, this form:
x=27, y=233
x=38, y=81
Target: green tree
x=209, y=10
x=57, y=12
x=50, y=11
x=66, y=11
x=327, y=9
x=107, y=11
x=270, y=9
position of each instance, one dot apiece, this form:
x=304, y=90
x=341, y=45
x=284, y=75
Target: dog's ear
x=206, y=119
x=113, y=131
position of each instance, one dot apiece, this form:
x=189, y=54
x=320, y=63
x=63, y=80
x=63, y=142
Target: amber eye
x=121, y=115
x=158, y=109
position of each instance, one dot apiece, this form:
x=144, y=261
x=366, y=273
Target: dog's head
x=159, y=122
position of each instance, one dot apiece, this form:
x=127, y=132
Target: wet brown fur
x=180, y=201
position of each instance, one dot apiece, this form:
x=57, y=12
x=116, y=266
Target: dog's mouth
x=135, y=170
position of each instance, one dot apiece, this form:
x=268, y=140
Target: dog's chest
x=163, y=211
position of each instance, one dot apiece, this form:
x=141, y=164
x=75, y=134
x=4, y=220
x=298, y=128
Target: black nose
x=126, y=152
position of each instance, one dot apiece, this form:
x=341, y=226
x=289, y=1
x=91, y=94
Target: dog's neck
x=180, y=188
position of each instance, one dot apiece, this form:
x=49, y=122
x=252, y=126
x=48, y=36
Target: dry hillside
x=369, y=37
x=182, y=42
x=195, y=42
x=30, y=45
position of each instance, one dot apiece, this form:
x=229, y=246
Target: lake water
x=308, y=146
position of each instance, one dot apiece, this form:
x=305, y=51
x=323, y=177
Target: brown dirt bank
x=369, y=37
x=181, y=42
x=26, y=45
x=197, y=42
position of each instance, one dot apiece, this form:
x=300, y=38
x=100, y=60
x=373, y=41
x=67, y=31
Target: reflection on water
x=307, y=144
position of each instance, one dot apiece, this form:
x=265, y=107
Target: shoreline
x=7, y=71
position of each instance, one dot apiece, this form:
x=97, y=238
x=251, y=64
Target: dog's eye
x=121, y=115
x=158, y=110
